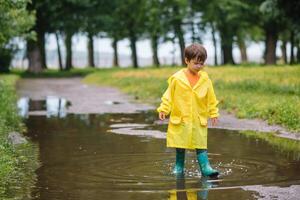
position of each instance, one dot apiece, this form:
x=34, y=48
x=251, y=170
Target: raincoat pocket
x=202, y=119
x=175, y=119
x=201, y=92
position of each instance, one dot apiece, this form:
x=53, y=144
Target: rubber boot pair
x=206, y=169
x=202, y=157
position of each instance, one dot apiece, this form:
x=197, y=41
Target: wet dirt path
x=83, y=98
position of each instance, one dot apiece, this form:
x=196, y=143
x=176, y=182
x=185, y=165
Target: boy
x=190, y=100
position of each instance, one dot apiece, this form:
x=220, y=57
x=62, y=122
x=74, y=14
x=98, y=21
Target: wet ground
x=88, y=157
x=124, y=156
x=83, y=98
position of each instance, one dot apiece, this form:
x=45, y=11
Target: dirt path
x=83, y=98
x=98, y=99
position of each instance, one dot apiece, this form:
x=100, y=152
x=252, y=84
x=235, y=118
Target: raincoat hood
x=180, y=75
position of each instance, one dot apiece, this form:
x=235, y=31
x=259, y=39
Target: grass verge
x=17, y=163
x=271, y=93
x=52, y=73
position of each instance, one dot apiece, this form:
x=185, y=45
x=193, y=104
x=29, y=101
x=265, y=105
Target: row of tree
x=235, y=22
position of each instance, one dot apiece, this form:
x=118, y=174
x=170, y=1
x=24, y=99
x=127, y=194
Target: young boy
x=190, y=100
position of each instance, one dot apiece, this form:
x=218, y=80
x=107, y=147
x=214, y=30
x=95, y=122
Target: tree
x=65, y=18
x=272, y=19
x=291, y=10
x=36, y=52
x=175, y=14
x=226, y=17
x=15, y=21
x=114, y=28
x=73, y=20
x=96, y=15
x=49, y=14
x=155, y=26
x=132, y=17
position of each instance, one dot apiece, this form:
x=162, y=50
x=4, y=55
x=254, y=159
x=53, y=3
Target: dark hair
x=195, y=51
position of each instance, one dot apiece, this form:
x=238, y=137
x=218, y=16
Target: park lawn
x=53, y=73
x=17, y=164
x=267, y=92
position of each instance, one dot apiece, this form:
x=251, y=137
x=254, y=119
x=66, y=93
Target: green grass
x=17, y=164
x=267, y=92
x=51, y=73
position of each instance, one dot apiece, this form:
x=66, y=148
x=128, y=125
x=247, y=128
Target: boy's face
x=194, y=65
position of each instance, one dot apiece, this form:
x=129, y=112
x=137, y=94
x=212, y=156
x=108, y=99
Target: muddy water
x=93, y=157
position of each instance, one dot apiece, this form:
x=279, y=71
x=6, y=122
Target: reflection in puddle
x=51, y=107
x=181, y=192
x=111, y=102
x=137, y=130
x=23, y=106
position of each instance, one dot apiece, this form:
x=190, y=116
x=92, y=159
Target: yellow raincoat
x=189, y=109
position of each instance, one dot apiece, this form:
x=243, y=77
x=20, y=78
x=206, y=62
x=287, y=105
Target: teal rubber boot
x=204, y=165
x=179, y=166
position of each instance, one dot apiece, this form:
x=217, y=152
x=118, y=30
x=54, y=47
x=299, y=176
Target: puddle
x=52, y=106
x=93, y=157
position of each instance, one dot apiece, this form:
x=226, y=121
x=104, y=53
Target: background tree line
x=235, y=22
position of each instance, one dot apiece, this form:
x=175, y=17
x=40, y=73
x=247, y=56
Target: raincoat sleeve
x=212, y=101
x=166, y=99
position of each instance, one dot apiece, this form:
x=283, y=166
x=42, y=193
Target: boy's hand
x=214, y=121
x=162, y=116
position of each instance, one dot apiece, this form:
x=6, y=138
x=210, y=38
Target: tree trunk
x=6, y=56
x=41, y=44
x=154, y=45
x=116, y=57
x=194, y=38
x=173, y=52
x=226, y=46
x=133, y=50
x=243, y=50
x=58, y=52
x=283, y=52
x=34, y=57
x=292, y=58
x=227, y=54
x=179, y=34
x=91, y=50
x=298, y=53
x=213, y=33
x=68, y=43
x=193, y=32
x=40, y=31
x=271, y=40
